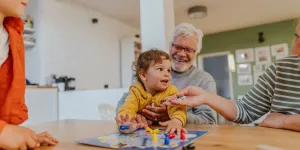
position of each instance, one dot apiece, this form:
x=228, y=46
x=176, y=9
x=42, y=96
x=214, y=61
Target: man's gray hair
x=186, y=29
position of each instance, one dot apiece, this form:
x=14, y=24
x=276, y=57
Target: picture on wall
x=245, y=80
x=244, y=68
x=256, y=76
x=244, y=55
x=262, y=55
x=280, y=50
x=258, y=68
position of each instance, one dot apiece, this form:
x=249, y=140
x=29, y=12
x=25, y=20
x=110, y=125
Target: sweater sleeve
x=130, y=106
x=2, y=124
x=203, y=114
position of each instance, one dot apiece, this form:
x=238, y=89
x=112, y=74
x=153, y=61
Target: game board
x=141, y=140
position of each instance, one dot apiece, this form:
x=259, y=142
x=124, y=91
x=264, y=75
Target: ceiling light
x=197, y=12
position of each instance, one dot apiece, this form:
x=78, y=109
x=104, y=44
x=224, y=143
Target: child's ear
x=142, y=75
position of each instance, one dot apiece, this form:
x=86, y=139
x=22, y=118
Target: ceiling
x=223, y=15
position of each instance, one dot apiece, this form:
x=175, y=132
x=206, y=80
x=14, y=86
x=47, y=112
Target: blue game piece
x=123, y=127
x=167, y=140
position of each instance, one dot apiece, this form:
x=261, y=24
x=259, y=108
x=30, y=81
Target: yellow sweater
x=138, y=99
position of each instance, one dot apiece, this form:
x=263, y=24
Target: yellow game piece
x=154, y=137
x=155, y=131
x=149, y=129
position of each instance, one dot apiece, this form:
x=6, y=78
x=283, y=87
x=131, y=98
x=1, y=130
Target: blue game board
x=140, y=140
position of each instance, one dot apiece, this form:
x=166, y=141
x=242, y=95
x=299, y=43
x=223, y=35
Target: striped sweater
x=277, y=90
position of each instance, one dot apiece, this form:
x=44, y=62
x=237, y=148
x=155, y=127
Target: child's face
x=158, y=76
x=13, y=8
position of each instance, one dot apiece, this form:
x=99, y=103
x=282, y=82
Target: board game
x=142, y=139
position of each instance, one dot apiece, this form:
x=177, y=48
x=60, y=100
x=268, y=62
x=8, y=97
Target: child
x=153, y=70
x=13, y=110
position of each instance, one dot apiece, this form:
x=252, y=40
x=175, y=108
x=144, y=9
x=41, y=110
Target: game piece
x=123, y=127
x=154, y=137
x=180, y=98
x=148, y=129
x=171, y=135
x=182, y=134
x=144, y=142
x=137, y=141
x=155, y=131
x=189, y=147
x=167, y=140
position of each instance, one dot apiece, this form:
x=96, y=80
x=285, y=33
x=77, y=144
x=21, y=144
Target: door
x=217, y=67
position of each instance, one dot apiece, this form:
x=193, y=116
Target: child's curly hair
x=146, y=58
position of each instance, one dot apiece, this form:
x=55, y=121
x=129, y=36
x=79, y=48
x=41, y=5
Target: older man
x=184, y=46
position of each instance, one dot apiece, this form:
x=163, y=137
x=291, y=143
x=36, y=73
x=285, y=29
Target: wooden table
x=218, y=138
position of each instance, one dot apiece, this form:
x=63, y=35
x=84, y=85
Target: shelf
x=29, y=44
x=29, y=30
x=29, y=37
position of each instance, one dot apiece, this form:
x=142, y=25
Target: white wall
x=32, y=56
x=69, y=44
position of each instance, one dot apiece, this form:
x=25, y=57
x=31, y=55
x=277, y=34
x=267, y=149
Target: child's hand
x=174, y=125
x=131, y=123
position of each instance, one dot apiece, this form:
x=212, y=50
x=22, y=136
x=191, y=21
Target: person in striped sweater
x=277, y=91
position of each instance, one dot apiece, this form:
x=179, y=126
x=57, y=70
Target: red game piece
x=182, y=134
x=171, y=135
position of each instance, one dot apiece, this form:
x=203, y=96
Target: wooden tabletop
x=218, y=138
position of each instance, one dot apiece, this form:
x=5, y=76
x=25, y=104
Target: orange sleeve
x=2, y=124
x=20, y=115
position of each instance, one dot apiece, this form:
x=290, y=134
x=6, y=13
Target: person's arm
x=203, y=114
x=292, y=122
x=2, y=124
x=130, y=106
x=253, y=105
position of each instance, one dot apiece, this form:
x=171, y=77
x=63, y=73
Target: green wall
x=275, y=33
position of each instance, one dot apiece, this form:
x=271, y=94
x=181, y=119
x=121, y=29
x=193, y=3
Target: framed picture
x=262, y=55
x=245, y=80
x=280, y=50
x=244, y=55
x=244, y=68
x=258, y=68
x=256, y=76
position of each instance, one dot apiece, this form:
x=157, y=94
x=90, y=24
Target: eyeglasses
x=185, y=49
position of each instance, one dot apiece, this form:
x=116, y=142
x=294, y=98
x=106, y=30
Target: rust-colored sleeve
x=2, y=124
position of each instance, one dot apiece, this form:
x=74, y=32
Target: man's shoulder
x=203, y=75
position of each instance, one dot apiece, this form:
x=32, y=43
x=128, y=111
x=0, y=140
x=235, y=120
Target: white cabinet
x=42, y=104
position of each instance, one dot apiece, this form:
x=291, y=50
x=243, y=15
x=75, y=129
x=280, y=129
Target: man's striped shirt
x=277, y=90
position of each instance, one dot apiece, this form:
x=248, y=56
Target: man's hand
x=274, y=120
x=15, y=137
x=46, y=138
x=159, y=113
x=140, y=119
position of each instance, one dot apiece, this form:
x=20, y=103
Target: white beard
x=185, y=67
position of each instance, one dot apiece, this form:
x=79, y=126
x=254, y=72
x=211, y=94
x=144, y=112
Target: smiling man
x=185, y=44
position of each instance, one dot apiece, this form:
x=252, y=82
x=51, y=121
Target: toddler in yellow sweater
x=153, y=70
